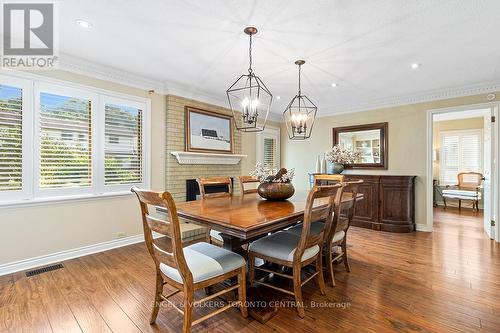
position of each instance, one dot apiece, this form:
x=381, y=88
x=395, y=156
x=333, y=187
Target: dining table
x=240, y=219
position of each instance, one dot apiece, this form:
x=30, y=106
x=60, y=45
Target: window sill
x=63, y=199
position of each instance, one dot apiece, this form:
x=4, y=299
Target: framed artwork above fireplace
x=208, y=132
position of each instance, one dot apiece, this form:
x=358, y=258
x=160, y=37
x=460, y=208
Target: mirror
x=369, y=140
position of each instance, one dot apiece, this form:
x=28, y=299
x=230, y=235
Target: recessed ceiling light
x=334, y=85
x=415, y=65
x=278, y=97
x=84, y=24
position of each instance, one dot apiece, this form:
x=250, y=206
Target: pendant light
x=249, y=98
x=300, y=114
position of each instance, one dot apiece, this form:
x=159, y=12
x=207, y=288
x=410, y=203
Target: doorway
x=462, y=169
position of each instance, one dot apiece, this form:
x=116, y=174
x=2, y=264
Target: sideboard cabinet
x=388, y=205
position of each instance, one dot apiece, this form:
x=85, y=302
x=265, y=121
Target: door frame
x=495, y=170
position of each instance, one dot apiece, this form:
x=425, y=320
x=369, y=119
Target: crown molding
x=84, y=67
x=103, y=72
x=422, y=97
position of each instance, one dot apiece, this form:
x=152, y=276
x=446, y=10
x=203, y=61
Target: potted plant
x=339, y=156
x=274, y=185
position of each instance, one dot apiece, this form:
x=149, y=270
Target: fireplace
x=193, y=191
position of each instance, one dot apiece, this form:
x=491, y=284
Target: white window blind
x=123, y=144
x=65, y=142
x=270, y=152
x=11, y=133
x=461, y=151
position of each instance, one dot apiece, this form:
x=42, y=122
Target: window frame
x=459, y=133
x=269, y=132
x=31, y=194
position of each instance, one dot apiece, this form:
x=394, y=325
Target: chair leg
x=188, y=310
x=242, y=292
x=251, y=269
x=319, y=269
x=459, y=205
x=444, y=202
x=297, y=290
x=344, y=255
x=329, y=264
x=158, y=299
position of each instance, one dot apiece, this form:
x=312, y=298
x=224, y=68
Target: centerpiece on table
x=274, y=185
x=339, y=156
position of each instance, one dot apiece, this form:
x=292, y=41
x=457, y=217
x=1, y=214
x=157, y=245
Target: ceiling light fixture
x=415, y=65
x=334, y=85
x=249, y=97
x=278, y=97
x=300, y=113
x=84, y=24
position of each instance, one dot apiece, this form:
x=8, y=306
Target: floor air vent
x=44, y=270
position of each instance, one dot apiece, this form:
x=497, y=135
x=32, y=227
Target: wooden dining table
x=243, y=218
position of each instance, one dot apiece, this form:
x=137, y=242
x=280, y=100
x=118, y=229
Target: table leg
x=259, y=310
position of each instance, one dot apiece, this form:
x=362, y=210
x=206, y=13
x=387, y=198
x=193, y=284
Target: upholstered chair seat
x=316, y=228
x=215, y=235
x=205, y=261
x=282, y=246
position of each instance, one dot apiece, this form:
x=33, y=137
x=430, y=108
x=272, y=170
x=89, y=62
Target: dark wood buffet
x=388, y=205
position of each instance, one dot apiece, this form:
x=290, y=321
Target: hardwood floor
x=445, y=281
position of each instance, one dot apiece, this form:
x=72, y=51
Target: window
x=60, y=141
x=123, y=151
x=11, y=154
x=461, y=151
x=66, y=163
x=268, y=147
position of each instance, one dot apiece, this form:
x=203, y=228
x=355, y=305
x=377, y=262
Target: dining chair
x=187, y=269
x=247, y=180
x=467, y=189
x=296, y=251
x=338, y=234
x=214, y=236
x=326, y=179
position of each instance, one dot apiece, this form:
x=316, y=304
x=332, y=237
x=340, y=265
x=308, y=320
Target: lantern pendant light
x=249, y=98
x=300, y=114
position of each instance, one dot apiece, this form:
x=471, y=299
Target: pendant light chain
x=300, y=66
x=250, y=70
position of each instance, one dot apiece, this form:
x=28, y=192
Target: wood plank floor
x=445, y=281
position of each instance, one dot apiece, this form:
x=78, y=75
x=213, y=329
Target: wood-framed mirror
x=371, y=140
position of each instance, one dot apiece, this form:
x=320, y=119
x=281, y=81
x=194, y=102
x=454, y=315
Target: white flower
x=342, y=155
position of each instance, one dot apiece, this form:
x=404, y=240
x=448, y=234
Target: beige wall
x=451, y=125
x=407, y=143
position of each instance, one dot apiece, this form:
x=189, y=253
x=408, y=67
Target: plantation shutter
x=11, y=132
x=65, y=142
x=461, y=151
x=270, y=153
x=123, y=145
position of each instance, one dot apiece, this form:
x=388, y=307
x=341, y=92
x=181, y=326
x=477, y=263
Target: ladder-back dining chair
x=190, y=268
x=214, y=236
x=247, y=180
x=338, y=233
x=296, y=251
x=326, y=179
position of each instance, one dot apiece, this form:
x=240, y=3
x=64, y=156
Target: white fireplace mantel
x=185, y=157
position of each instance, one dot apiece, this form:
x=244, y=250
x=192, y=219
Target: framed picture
x=208, y=131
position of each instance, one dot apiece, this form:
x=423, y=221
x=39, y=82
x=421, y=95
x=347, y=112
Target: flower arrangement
x=269, y=175
x=342, y=155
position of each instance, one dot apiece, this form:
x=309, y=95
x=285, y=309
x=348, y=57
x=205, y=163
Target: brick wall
x=175, y=173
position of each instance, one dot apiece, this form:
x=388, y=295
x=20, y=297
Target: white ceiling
x=198, y=48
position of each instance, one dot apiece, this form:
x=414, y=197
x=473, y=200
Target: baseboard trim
x=423, y=227
x=23, y=265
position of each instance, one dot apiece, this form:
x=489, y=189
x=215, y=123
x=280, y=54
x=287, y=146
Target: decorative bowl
x=275, y=191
